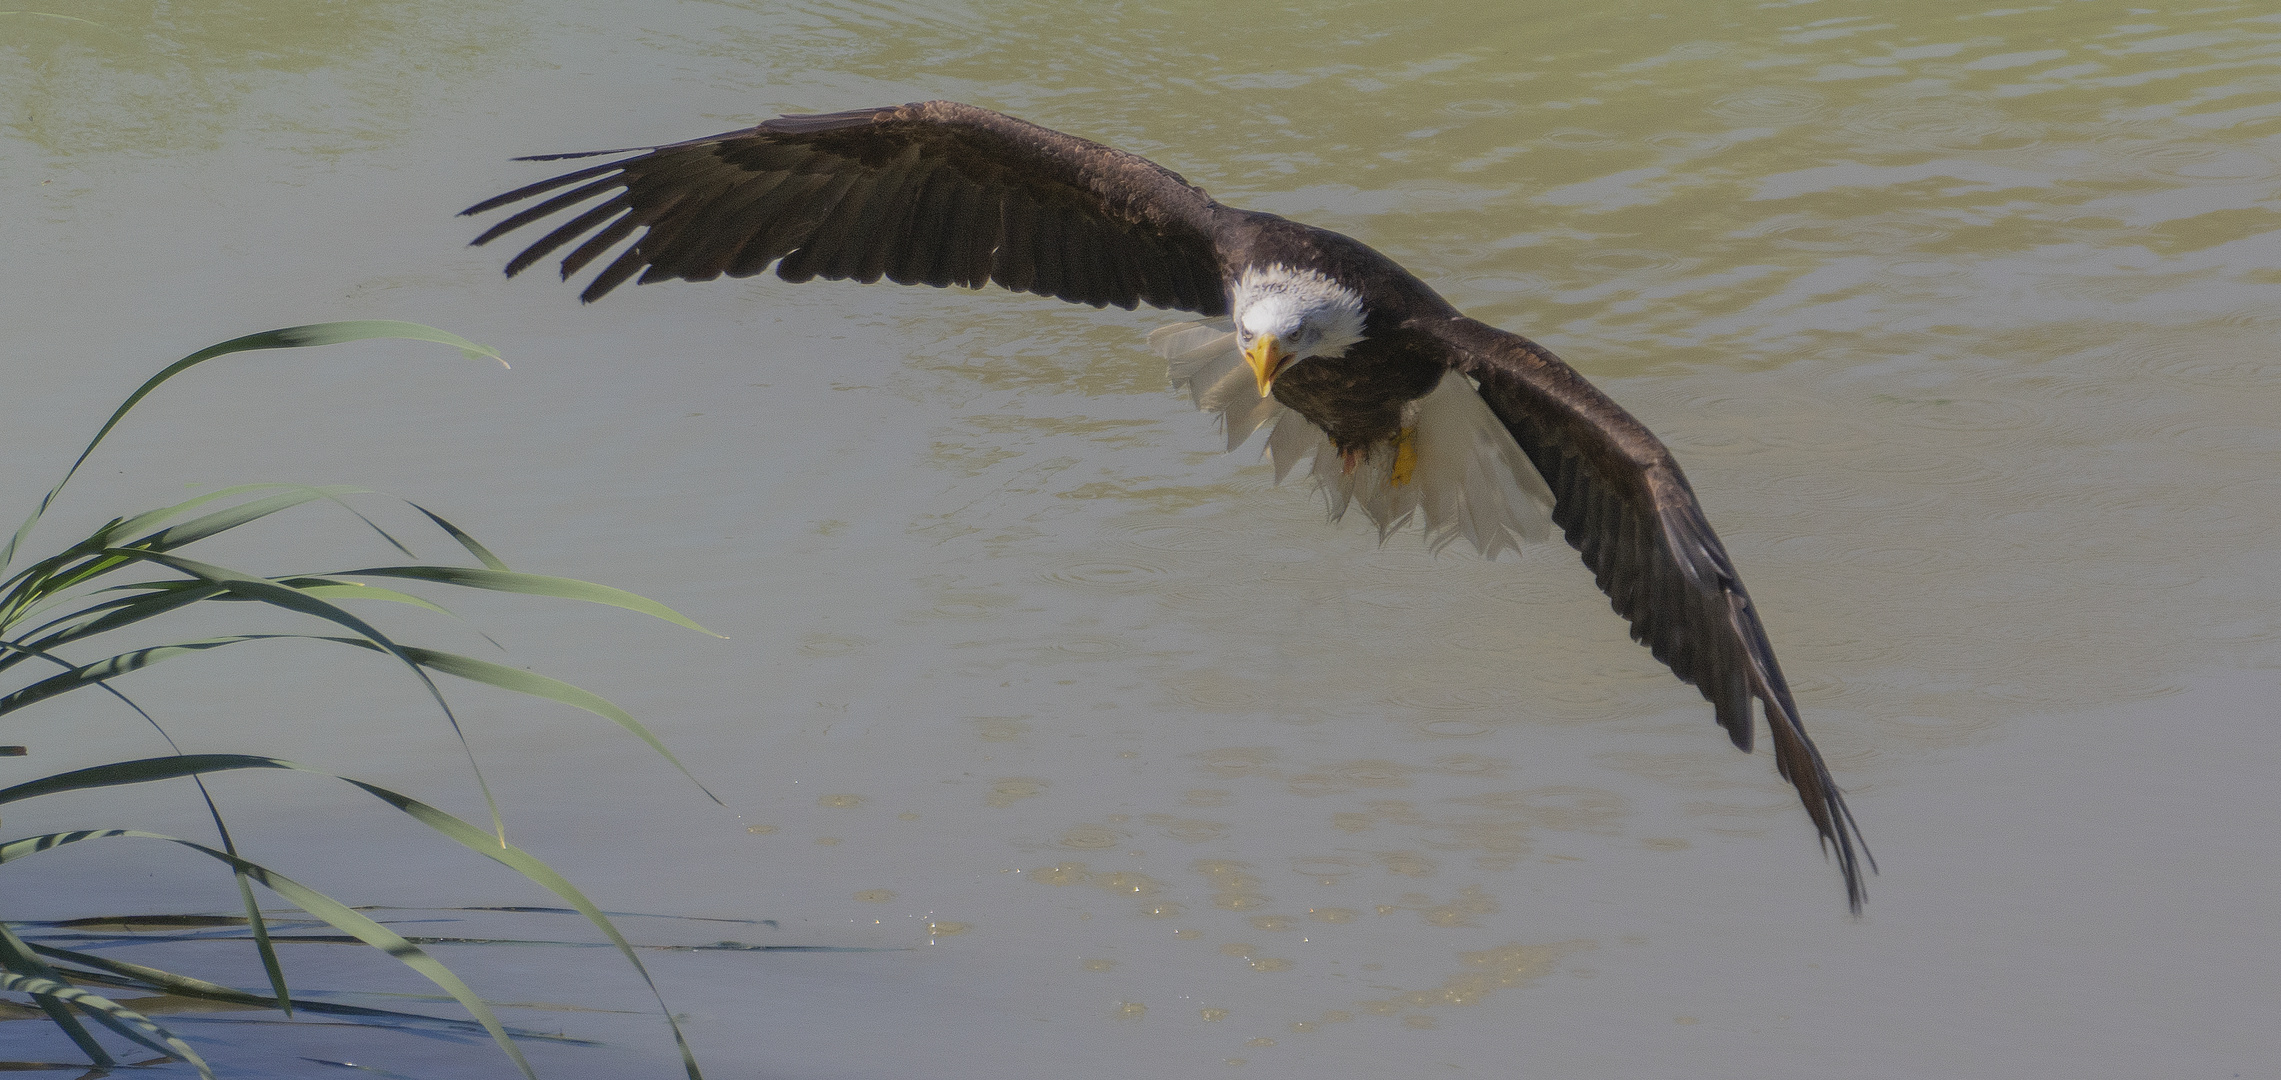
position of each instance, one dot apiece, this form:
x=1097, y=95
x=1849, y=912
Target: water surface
x=1960, y=318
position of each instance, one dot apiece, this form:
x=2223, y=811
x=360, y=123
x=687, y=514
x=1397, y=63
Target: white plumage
x=1308, y=312
x=1469, y=480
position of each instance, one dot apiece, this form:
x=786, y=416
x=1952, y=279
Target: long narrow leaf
x=140, y=771
x=272, y=593
x=225, y=519
x=220, y=521
x=110, y=1014
x=18, y=960
x=536, y=685
x=533, y=584
x=326, y=588
x=522, y=862
x=291, y=337
x=261, y=943
x=153, y=519
x=340, y=915
x=188, y=532
x=185, y=986
x=159, y=597
x=112, y=667
x=482, y=554
x=41, y=584
x=465, y=667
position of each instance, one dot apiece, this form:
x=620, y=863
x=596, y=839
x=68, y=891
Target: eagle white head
x=1284, y=315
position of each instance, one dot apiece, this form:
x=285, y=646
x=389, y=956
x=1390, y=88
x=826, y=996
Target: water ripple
x=2240, y=442
x=1971, y=421
x=1686, y=142
x=1877, y=233
x=1510, y=282
x=2188, y=358
x=1452, y=728
x=1939, y=124
x=1698, y=50
x=1770, y=105
x=1180, y=538
x=1620, y=262
x=1108, y=575
x=1474, y=108
x=2199, y=161
x=1580, y=138
x=1450, y=696
x=1216, y=692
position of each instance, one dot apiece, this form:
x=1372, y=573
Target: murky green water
x=1961, y=319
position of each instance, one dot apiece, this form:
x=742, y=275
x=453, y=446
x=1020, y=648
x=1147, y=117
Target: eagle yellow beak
x=1266, y=357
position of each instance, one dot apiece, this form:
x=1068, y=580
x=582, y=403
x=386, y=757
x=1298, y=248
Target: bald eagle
x=1402, y=405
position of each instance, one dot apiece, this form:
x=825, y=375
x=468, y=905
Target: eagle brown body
x=940, y=193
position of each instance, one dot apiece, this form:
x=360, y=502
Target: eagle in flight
x=1401, y=405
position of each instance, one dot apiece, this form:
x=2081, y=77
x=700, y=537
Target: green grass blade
x=533, y=584
x=528, y=865
x=223, y=520
x=141, y=771
x=262, y=944
x=152, y=519
x=112, y=667
x=325, y=588
x=339, y=915
x=465, y=667
x=291, y=337
x=528, y=682
x=267, y=591
x=482, y=554
x=151, y=978
x=18, y=961
x=184, y=986
x=474, y=839
x=375, y=527
x=159, y=597
x=536, y=685
x=110, y=1014
x=38, y=586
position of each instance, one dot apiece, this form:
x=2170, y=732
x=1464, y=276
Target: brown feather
x=731, y=226
x=988, y=180
x=575, y=228
x=1046, y=251
x=802, y=262
x=893, y=209
x=784, y=218
x=1014, y=263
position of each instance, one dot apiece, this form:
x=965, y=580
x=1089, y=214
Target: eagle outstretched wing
x=932, y=192
x=1622, y=501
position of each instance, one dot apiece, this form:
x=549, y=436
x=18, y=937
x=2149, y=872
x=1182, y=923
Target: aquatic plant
x=62, y=605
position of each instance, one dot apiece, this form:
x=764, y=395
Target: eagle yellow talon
x=1405, y=458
